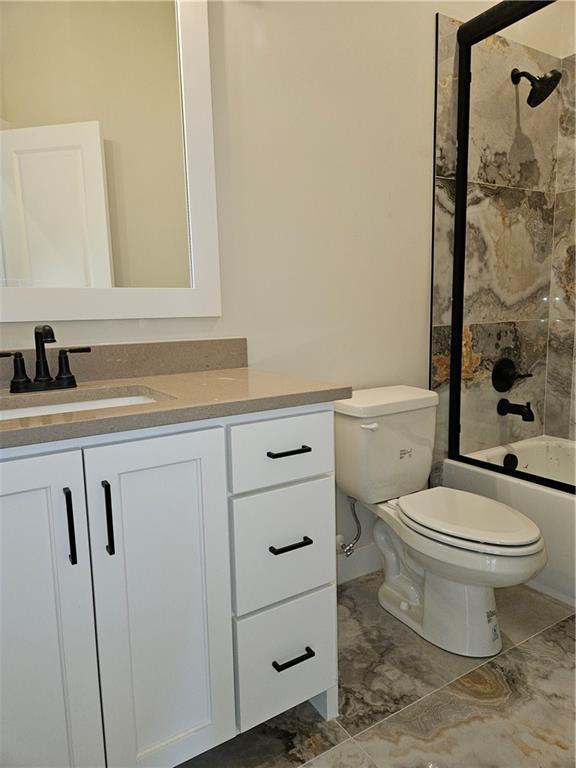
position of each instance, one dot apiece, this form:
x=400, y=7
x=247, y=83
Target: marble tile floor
x=406, y=704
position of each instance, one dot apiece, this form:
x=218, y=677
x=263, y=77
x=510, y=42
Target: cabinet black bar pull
x=306, y=541
x=73, y=556
x=110, y=548
x=298, y=660
x=284, y=454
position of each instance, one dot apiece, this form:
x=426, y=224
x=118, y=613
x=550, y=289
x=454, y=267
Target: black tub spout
x=505, y=408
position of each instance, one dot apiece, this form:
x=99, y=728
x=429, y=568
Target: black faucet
x=21, y=382
x=505, y=407
x=43, y=334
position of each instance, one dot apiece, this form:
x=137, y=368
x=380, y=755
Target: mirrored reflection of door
x=54, y=219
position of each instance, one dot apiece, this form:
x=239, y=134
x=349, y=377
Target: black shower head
x=542, y=86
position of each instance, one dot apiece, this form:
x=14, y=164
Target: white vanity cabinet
x=159, y=537
x=165, y=590
x=49, y=698
x=284, y=574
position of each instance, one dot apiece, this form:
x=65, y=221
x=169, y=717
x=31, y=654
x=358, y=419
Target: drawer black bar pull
x=284, y=454
x=110, y=547
x=306, y=541
x=305, y=656
x=73, y=556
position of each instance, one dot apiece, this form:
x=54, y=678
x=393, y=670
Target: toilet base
x=457, y=617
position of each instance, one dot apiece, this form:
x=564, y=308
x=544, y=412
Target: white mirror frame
x=203, y=298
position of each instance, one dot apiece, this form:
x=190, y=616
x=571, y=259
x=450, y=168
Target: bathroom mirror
x=107, y=203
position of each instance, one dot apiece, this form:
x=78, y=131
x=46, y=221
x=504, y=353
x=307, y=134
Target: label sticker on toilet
x=491, y=619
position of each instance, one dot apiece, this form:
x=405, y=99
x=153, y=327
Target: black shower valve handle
x=505, y=375
x=523, y=376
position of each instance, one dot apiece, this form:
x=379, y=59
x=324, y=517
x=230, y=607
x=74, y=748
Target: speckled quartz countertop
x=177, y=398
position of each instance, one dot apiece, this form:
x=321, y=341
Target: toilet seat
x=468, y=521
x=473, y=546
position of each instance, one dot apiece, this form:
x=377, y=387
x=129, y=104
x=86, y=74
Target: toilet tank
x=384, y=442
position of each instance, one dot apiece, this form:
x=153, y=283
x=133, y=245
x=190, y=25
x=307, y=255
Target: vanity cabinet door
x=50, y=704
x=159, y=533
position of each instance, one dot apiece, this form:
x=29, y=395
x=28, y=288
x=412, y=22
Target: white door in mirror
x=54, y=215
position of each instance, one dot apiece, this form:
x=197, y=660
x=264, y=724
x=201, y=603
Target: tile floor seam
x=502, y=186
x=364, y=752
x=450, y=682
x=337, y=746
x=531, y=637
x=426, y=695
x=327, y=752
x=348, y=735
x=346, y=731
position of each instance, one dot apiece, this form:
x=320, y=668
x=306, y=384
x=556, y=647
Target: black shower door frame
x=474, y=31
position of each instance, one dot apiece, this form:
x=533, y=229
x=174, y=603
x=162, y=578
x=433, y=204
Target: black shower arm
x=531, y=78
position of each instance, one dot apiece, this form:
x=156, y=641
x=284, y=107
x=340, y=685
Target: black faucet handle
x=65, y=377
x=20, y=378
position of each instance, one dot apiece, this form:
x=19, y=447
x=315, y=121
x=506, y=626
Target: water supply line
x=348, y=549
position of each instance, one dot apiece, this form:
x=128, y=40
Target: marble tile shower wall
x=514, y=246
x=561, y=369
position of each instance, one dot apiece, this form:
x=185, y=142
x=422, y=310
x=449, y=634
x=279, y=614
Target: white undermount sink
x=36, y=405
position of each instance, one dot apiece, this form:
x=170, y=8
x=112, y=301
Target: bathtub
x=551, y=457
x=553, y=511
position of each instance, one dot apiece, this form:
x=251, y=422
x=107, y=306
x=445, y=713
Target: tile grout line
x=501, y=322
x=472, y=669
x=327, y=752
x=337, y=746
x=531, y=637
x=346, y=731
x=364, y=752
x=503, y=186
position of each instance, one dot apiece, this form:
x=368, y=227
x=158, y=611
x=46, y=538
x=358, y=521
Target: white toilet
x=444, y=550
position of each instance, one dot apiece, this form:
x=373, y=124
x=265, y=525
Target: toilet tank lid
x=386, y=400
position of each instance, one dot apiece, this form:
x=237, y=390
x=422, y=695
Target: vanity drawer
x=279, y=451
x=285, y=655
x=283, y=543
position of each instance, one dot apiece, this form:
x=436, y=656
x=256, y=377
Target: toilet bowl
x=442, y=584
x=444, y=551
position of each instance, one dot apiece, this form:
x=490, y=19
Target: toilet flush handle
x=372, y=427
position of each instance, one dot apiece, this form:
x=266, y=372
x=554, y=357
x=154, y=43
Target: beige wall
x=552, y=29
x=115, y=62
